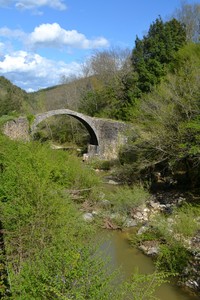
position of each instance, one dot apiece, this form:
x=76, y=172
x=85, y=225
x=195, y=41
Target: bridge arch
x=85, y=120
x=106, y=136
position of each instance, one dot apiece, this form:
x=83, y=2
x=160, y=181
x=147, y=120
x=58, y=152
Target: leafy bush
x=173, y=257
x=143, y=286
x=124, y=198
x=186, y=223
x=46, y=240
x=176, y=230
x=152, y=234
x=181, y=224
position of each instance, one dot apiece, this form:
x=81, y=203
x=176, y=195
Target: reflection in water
x=129, y=259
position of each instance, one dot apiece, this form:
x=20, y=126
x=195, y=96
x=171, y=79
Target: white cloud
x=31, y=71
x=53, y=35
x=2, y=48
x=34, y=4
x=9, y=33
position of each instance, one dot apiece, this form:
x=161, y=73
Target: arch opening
x=92, y=136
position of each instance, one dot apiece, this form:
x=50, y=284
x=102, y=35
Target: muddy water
x=128, y=259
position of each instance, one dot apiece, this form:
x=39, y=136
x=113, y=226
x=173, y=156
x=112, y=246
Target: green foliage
x=92, y=103
x=4, y=286
x=173, y=257
x=111, y=101
x=175, y=230
x=116, y=93
x=49, y=250
x=152, y=234
x=186, y=223
x=63, y=130
x=45, y=237
x=109, y=92
x=31, y=119
x=183, y=223
x=153, y=54
x=12, y=98
x=166, y=126
x=125, y=198
x=142, y=287
x=105, y=165
x=127, y=173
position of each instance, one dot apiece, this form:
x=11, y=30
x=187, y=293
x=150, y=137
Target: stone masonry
x=106, y=136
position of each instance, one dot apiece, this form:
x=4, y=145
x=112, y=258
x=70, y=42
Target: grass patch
x=123, y=199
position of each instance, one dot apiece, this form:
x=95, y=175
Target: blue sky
x=42, y=40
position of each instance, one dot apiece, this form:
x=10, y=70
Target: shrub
x=152, y=234
x=180, y=225
x=173, y=257
x=124, y=198
x=186, y=223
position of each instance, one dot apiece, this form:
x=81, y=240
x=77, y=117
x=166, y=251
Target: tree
x=111, y=79
x=168, y=122
x=189, y=15
x=153, y=54
x=106, y=64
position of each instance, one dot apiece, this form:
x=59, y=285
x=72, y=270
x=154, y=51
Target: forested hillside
x=13, y=100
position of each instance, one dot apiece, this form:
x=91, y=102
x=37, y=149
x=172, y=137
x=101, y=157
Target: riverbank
x=130, y=259
x=166, y=227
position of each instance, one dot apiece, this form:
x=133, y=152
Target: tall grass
x=124, y=198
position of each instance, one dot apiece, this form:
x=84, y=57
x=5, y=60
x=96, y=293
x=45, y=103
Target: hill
x=12, y=98
x=65, y=95
x=15, y=100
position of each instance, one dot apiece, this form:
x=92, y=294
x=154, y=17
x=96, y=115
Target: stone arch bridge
x=106, y=136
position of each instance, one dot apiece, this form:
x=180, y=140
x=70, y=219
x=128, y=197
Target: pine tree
x=152, y=55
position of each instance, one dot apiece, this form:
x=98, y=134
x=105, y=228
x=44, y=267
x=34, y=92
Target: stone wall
x=17, y=129
x=111, y=135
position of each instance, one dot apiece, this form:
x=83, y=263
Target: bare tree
x=106, y=64
x=189, y=14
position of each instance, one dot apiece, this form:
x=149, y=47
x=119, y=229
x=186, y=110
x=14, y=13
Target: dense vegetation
x=48, y=252
x=167, y=123
x=155, y=87
x=13, y=100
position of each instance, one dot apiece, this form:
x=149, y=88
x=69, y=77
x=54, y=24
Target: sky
x=43, y=40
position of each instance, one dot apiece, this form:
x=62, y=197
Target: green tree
x=167, y=128
x=153, y=54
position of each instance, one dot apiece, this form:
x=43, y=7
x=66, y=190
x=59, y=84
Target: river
x=127, y=258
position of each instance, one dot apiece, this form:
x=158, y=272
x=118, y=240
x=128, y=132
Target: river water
x=127, y=258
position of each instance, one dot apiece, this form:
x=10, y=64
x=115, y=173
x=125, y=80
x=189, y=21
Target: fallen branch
x=109, y=225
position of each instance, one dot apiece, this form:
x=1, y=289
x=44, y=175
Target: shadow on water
x=127, y=258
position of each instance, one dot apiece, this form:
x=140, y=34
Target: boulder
x=88, y=217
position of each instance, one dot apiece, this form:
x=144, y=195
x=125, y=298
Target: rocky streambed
x=140, y=218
